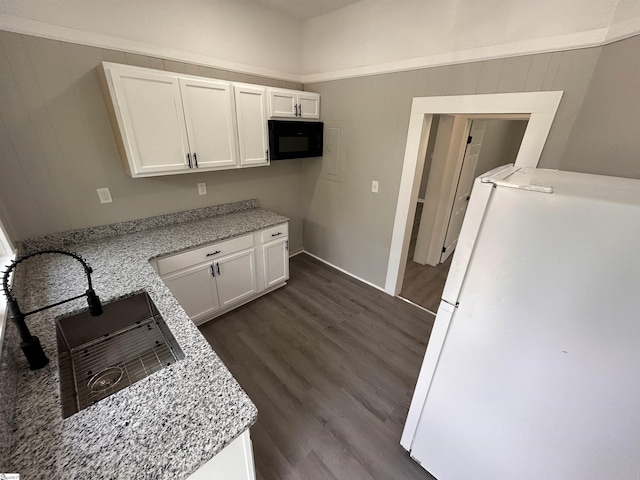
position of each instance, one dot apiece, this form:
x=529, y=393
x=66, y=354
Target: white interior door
x=463, y=189
x=208, y=107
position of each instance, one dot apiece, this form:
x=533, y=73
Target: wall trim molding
x=27, y=26
x=574, y=41
x=542, y=108
x=620, y=31
x=377, y=287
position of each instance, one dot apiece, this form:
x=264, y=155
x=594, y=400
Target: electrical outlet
x=374, y=186
x=104, y=195
x=202, y=189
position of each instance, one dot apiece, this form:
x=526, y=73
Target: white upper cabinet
x=148, y=111
x=209, y=115
x=309, y=105
x=283, y=103
x=167, y=123
x=252, y=124
x=293, y=104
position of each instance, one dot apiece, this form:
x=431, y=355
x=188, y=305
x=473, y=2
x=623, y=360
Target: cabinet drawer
x=276, y=232
x=211, y=252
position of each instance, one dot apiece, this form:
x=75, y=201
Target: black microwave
x=290, y=139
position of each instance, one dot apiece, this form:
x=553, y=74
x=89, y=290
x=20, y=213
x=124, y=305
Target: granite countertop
x=162, y=427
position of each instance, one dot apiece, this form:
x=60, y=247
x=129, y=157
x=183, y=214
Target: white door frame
x=541, y=108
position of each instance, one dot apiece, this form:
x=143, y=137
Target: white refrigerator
x=532, y=370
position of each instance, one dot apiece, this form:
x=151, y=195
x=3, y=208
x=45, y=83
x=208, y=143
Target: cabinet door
x=252, y=124
x=275, y=258
x=283, y=103
x=309, y=105
x=233, y=462
x=236, y=277
x=195, y=290
x=208, y=108
x=148, y=107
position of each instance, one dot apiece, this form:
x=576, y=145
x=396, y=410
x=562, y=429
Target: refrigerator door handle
x=530, y=187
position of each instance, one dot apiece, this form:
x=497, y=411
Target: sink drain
x=105, y=379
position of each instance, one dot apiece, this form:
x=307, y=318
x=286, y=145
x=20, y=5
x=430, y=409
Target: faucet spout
x=30, y=344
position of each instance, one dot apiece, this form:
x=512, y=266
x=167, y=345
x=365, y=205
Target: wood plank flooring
x=423, y=284
x=331, y=364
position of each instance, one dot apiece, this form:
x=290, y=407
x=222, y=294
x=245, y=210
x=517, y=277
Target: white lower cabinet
x=195, y=289
x=275, y=258
x=211, y=280
x=234, y=462
x=236, y=277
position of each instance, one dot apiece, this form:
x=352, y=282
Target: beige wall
x=243, y=36
x=500, y=144
x=351, y=227
x=376, y=36
x=57, y=147
x=605, y=138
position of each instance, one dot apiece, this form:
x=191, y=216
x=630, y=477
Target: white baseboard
x=346, y=272
x=297, y=252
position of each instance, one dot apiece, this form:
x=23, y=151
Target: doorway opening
x=460, y=149
x=540, y=107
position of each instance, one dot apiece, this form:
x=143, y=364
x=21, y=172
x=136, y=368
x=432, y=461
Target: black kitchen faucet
x=30, y=344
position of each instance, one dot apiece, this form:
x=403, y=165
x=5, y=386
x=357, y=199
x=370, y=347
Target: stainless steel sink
x=99, y=356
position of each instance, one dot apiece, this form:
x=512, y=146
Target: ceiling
x=306, y=9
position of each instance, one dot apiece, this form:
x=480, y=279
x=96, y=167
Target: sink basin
x=99, y=356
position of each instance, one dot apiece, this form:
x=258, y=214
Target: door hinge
x=469, y=138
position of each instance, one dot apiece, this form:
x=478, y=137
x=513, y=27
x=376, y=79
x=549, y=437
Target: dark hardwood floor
x=423, y=284
x=331, y=364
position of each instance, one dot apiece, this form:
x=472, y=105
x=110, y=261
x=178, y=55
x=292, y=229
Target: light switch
x=374, y=186
x=202, y=189
x=104, y=195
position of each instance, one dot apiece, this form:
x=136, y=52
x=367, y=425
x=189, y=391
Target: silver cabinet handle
x=189, y=159
x=218, y=268
x=195, y=159
x=276, y=234
x=213, y=272
x=299, y=109
x=213, y=253
x=295, y=107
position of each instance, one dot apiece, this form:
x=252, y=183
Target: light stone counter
x=163, y=427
